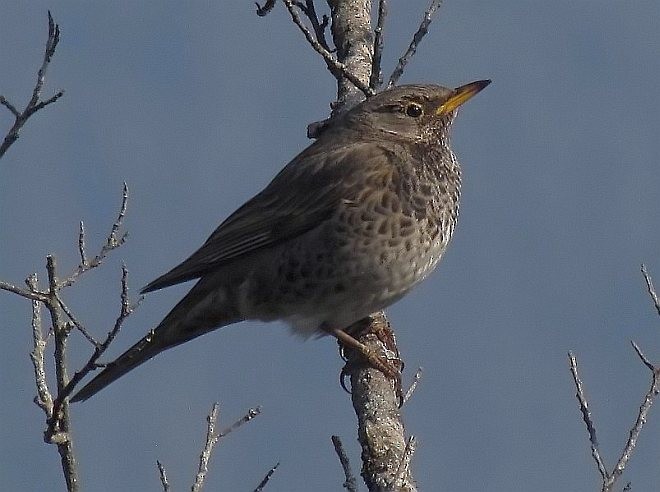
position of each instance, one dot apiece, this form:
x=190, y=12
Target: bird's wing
x=306, y=192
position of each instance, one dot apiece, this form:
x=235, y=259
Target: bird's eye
x=414, y=110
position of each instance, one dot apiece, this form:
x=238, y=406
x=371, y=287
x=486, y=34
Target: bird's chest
x=393, y=241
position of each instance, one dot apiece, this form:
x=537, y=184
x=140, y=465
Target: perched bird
x=347, y=228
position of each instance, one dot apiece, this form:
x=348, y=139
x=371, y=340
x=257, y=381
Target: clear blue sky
x=196, y=105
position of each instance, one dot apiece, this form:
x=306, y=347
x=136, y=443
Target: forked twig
x=114, y=240
x=212, y=438
x=337, y=68
x=319, y=27
x=35, y=103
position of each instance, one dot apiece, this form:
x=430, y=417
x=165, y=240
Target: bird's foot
x=388, y=363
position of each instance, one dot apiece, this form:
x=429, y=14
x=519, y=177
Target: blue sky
x=196, y=105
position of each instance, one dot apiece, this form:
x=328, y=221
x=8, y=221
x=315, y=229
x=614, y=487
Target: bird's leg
x=390, y=368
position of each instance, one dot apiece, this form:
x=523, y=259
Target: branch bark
x=35, y=104
x=353, y=38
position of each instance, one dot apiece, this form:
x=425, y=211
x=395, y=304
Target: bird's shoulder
x=306, y=192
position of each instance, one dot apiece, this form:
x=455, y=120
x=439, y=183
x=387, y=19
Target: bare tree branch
x=376, y=403
x=376, y=77
x=58, y=431
x=337, y=68
x=350, y=483
x=413, y=386
x=319, y=26
x=651, y=289
x=212, y=438
x=642, y=357
x=417, y=38
x=126, y=309
x=609, y=479
x=636, y=429
x=403, y=472
x=28, y=294
x=114, y=240
x=353, y=38
x=163, y=476
x=63, y=320
x=44, y=398
x=267, y=478
x=586, y=416
x=35, y=103
x=267, y=7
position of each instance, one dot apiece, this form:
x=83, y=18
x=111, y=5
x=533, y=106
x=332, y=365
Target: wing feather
x=304, y=194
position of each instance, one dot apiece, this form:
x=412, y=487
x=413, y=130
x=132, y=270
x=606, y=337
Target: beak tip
x=482, y=84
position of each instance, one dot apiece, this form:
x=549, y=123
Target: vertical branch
x=375, y=399
x=60, y=420
x=44, y=398
x=351, y=32
x=376, y=403
x=376, y=77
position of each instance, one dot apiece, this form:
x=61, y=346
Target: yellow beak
x=461, y=95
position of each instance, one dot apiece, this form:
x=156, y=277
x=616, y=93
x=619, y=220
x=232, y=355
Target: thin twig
x=266, y=479
x=413, y=385
x=586, y=417
x=82, y=248
x=636, y=429
x=79, y=326
x=404, y=466
x=267, y=7
x=113, y=241
x=651, y=289
x=163, y=476
x=643, y=358
x=28, y=294
x=319, y=27
x=336, y=67
x=35, y=104
x=376, y=77
x=350, y=483
x=251, y=413
x=125, y=311
x=417, y=38
x=211, y=440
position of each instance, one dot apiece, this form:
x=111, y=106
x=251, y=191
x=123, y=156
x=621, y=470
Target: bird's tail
x=203, y=309
x=139, y=353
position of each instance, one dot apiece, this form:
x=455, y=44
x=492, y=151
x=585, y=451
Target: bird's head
x=410, y=112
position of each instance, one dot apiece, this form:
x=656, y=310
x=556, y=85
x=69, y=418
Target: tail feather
x=205, y=308
x=139, y=353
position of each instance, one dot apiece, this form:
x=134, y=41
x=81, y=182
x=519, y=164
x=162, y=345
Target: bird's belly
x=342, y=281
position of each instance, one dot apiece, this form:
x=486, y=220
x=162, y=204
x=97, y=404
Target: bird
x=345, y=229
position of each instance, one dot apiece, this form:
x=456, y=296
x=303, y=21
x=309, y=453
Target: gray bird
x=347, y=228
